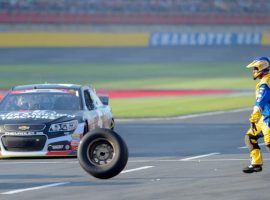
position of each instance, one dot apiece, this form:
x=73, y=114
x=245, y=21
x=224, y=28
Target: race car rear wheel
x=102, y=153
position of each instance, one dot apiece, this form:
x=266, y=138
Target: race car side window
x=88, y=101
x=96, y=100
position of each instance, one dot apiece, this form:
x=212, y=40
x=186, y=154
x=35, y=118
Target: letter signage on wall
x=204, y=38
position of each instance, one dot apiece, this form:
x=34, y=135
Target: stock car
x=51, y=120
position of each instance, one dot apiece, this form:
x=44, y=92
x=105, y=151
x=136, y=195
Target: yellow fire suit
x=261, y=119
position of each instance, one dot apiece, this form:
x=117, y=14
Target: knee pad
x=251, y=142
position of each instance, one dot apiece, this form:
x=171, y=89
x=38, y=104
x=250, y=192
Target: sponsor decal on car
x=24, y=128
x=38, y=114
x=56, y=147
x=23, y=133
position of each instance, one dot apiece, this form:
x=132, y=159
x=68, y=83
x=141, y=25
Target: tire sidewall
x=115, y=166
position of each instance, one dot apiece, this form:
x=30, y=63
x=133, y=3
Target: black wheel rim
x=100, y=152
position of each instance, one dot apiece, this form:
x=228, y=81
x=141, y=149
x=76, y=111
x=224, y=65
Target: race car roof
x=46, y=86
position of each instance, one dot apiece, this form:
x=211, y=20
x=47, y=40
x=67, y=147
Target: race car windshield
x=40, y=101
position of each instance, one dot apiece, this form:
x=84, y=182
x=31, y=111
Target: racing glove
x=256, y=115
x=254, y=118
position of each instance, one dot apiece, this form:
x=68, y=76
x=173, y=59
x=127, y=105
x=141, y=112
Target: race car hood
x=37, y=116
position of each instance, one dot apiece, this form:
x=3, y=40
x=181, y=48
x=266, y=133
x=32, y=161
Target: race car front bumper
x=40, y=145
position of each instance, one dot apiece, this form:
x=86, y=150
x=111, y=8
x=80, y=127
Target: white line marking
x=228, y=159
x=136, y=169
x=187, y=116
x=200, y=156
x=244, y=147
x=35, y=188
x=203, y=160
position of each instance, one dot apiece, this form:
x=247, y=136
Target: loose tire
x=102, y=153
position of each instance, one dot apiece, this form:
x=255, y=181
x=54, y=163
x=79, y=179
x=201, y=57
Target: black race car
x=52, y=119
x=49, y=120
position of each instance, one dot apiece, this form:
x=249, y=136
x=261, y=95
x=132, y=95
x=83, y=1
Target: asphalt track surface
x=193, y=157
x=130, y=55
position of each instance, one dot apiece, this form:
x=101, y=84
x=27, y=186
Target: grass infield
x=175, y=106
x=190, y=75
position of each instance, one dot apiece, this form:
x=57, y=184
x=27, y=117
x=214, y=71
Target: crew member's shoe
x=252, y=168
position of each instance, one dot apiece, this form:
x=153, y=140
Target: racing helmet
x=260, y=65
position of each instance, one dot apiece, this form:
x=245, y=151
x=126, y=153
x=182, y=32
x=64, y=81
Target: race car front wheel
x=102, y=153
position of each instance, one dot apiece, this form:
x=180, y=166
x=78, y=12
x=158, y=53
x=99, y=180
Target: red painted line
x=159, y=93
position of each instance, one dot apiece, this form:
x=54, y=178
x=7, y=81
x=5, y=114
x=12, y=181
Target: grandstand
x=136, y=11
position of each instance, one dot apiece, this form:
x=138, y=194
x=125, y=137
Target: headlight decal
x=80, y=129
x=64, y=126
